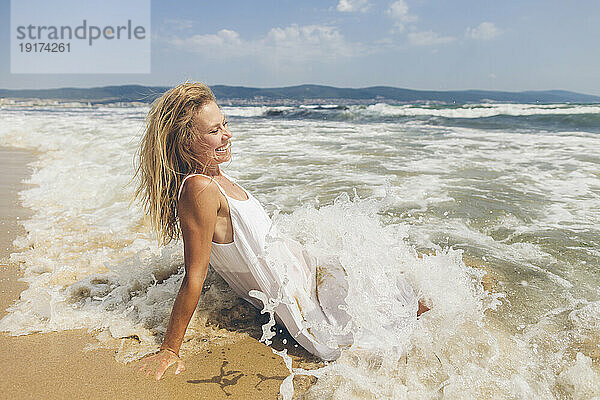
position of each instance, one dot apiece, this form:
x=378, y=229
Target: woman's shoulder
x=198, y=206
x=199, y=190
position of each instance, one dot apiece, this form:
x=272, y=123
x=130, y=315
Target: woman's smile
x=223, y=149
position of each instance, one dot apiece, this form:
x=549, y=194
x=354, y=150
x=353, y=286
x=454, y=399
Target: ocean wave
x=91, y=261
x=383, y=111
x=478, y=110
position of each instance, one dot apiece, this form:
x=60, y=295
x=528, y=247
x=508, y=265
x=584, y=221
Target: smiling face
x=213, y=145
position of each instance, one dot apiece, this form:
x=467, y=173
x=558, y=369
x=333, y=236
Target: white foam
x=253, y=111
x=475, y=110
x=91, y=262
x=581, y=379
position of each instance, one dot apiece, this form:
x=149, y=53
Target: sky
x=416, y=44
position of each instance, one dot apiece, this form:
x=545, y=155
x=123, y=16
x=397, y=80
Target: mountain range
x=303, y=94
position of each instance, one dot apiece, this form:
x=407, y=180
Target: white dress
x=260, y=259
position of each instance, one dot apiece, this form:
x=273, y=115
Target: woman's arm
x=198, y=209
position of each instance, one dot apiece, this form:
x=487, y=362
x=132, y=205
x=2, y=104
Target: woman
x=186, y=193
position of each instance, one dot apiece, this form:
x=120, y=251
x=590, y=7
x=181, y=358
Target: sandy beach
x=55, y=365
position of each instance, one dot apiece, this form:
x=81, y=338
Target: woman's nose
x=227, y=132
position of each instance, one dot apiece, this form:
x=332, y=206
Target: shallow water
x=513, y=190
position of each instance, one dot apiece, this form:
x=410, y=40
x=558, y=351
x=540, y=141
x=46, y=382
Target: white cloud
x=308, y=42
x=178, y=24
x=224, y=44
x=291, y=44
x=398, y=10
x=353, y=5
x=402, y=17
x=427, y=38
x=483, y=31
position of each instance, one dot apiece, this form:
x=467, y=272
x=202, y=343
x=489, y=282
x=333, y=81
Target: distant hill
x=313, y=94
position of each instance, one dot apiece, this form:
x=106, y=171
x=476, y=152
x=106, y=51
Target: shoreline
x=55, y=366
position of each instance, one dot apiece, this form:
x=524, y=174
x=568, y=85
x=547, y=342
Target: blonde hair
x=164, y=157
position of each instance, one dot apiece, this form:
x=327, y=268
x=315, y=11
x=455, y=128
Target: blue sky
x=417, y=44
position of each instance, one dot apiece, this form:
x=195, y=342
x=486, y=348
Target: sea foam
x=91, y=261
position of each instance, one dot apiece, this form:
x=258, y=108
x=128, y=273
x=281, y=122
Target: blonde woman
x=187, y=194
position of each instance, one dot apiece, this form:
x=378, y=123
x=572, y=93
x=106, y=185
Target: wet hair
x=165, y=157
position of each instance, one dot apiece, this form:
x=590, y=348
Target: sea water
x=490, y=211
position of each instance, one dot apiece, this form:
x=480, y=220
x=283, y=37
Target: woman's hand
x=160, y=362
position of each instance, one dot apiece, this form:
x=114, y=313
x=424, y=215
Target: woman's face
x=213, y=144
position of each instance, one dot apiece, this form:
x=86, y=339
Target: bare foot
x=422, y=308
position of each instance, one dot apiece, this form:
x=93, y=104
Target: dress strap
x=190, y=175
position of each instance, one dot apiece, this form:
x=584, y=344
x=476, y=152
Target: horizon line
x=312, y=84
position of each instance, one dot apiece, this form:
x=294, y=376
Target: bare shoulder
x=199, y=193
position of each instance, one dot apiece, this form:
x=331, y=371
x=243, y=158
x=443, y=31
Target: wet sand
x=55, y=365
